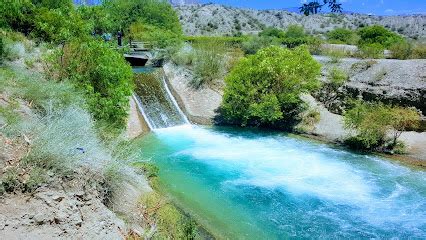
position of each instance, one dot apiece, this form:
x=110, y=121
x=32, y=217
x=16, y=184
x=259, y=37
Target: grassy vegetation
x=101, y=73
x=170, y=223
x=208, y=59
x=343, y=36
x=60, y=133
x=378, y=126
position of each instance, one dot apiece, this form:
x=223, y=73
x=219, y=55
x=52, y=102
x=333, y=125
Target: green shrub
x=264, y=89
x=335, y=55
x=43, y=95
x=59, y=25
x=17, y=15
x=255, y=43
x=343, y=35
x=229, y=41
x=11, y=181
x=170, y=222
x=314, y=45
x=272, y=32
x=148, y=169
x=294, y=32
x=102, y=74
x=337, y=77
x=209, y=62
x=97, y=17
x=372, y=50
x=401, y=50
x=156, y=13
x=158, y=37
x=374, y=121
x=184, y=57
x=37, y=176
x=378, y=35
x=419, y=51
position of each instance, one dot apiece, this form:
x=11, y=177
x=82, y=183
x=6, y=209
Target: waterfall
x=156, y=102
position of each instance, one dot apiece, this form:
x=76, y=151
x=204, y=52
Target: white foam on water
x=301, y=168
x=268, y=162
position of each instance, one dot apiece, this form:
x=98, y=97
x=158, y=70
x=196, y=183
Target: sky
x=376, y=7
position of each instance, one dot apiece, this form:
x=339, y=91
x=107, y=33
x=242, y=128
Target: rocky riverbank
x=400, y=82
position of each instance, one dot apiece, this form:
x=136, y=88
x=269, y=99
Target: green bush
x=17, y=15
x=378, y=35
x=170, y=222
x=272, y=32
x=374, y=121
x=294, y=32
x=343, y=35
x=183, y=57
x=102, y=73
x=419, y=51
x=156, y=13
x=264, y=89
x=209, y=62
x=401, y=50
x=255, y=43
x=59, y=25
x=229, y=41
x=158, y=37
x=372, y=50
x=337, y=77
x=335, y=55
x=97, y=17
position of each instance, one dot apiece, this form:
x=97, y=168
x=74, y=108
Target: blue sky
x=377, y=7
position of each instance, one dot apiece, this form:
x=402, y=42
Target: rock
x=399, y=82
x=58, y=198
x=215, y=19
x=39, y=218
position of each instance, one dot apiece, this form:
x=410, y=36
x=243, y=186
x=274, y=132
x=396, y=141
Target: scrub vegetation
x=264, y=89
x=64, y=107
x=378, y=126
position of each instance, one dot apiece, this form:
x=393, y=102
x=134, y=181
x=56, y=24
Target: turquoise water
x=256, y=185
x=144, y=69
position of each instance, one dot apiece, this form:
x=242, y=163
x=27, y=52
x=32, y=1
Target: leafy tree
x=159, y=37
x=53, y=4
x=264, y=89
x=314, y=7
x=17, y=15
x=102, y=73
x=99, y=18
x=158, y=13
x=374, y=121
x=59, y=25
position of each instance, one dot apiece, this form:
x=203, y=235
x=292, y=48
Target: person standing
x=119, y=38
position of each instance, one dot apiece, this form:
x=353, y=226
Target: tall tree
x=314, y=7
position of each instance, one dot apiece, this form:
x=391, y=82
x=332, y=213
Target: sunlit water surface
x=257, y=185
